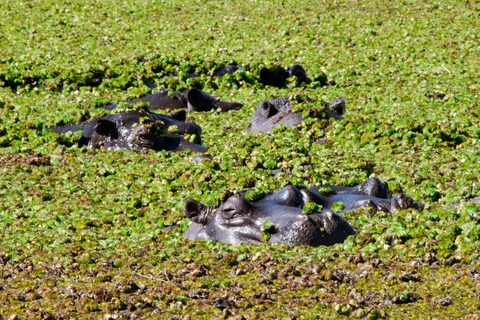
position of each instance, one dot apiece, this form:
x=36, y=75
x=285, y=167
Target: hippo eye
x=229, y=213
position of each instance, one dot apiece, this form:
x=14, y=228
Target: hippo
x=239, y=220
x=372, y=187
x=373, y=194
x=137, y=129
x=229, y=69
x=271, y=113
x=458, y=204
x=191, y=99
x=278, y=77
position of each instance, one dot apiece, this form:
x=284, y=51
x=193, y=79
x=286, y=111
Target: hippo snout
x=326, y=228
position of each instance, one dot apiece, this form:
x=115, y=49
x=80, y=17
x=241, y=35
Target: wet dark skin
x=239, y=220
x=191, y=99
x=139, y=130
x=272, y=113
x=278, y=78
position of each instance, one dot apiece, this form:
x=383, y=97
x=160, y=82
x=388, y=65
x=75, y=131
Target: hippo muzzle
x=325, y=228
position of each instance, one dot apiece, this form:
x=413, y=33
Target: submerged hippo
x=458, y=204
x=229, y=69
x=136, y=129
x=278, y=77
x=191, y=99
x=271, y=113
x=240, y=221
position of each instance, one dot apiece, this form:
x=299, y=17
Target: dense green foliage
x=83, y=232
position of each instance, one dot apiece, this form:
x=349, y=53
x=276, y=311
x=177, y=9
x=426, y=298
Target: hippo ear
x=296, y=70
x=196, y=211
x=375, y=188
x=299, y=72
x=106, y=128
x=268, y=109
x=265, y=76
x=338, y=105
x=196, y=101
x=180, y=115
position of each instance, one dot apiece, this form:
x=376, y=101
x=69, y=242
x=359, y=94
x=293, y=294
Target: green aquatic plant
x=311, y=208
x=325, y=190
x=113, y=220
x=254, y=195
x=338, y=206
x=267, y=229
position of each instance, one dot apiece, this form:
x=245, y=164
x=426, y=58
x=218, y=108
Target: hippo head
x=372, y=194
x=197, y=100
x=271, y=113
x=141, y=130
x=278, y=76
x=372, y=187
x=240, y=221
x=125, y=131
x=191, y=99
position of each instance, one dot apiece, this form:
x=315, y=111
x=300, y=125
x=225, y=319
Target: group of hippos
x=143, y=129
x=292, y=216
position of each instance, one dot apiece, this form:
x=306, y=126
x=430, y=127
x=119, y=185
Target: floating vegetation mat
x=89, y=233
